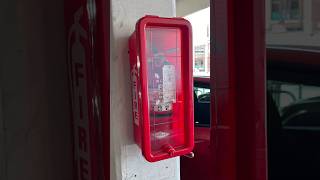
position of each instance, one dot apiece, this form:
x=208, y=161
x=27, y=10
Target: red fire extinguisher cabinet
x=162, y=87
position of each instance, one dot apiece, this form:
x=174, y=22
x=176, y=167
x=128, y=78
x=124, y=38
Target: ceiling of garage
x=185, y=7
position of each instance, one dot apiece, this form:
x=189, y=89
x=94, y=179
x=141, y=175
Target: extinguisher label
x=169, y=83
x=135, y=104
x=161, y=135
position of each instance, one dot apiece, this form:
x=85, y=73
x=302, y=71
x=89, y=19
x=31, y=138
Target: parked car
x=202, y=133
x=202, y=101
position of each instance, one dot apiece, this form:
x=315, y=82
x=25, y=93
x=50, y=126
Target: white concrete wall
x=185, y=7
x=35, y=138
x=293, y=38
x=126, y=159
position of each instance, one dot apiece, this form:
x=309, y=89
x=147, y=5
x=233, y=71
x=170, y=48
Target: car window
x=294, y=133
x=285, y=94
x=203, y=94
x=202, y=105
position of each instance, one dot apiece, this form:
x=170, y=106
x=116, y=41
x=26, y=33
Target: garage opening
x=198, y=14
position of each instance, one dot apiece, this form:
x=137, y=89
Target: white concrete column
x=307, y=17
x=126, y=159
x=268, y=14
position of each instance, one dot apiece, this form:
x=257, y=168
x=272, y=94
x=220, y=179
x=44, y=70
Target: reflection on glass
x=165, y=88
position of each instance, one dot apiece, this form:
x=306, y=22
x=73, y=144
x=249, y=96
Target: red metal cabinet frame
x=168, y=39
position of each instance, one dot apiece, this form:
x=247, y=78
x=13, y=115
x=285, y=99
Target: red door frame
x=103, y=52
x=238, y=80
x=88, y=55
